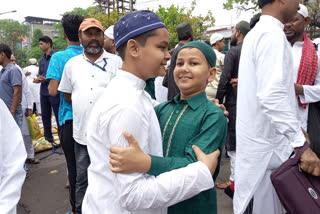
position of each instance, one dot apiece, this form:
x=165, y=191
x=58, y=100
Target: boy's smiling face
x=154, y=54
x=192, y=72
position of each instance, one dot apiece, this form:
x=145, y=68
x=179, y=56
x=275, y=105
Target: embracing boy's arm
x=142, y=191
x=132, y=159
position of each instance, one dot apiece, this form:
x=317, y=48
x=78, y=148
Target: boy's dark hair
x=254, y=20
x=142, y=39
x=185, y=35
x=71, y=24
x=46, y=39
x=6, y=50
x=262, y=3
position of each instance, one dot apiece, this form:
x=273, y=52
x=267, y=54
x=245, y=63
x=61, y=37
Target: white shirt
x=130, y=109
x=212, y=87
x=267, y=128
x=12, y=158
x=26, y=96
x=85, y=82
x=311, y=92
x=117, y=59
x=161, y=92
x=34, y=87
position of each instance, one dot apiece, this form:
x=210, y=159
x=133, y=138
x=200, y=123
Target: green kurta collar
x=194, y=102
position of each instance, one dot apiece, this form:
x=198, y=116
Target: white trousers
x=232, y=156
x=265, y=199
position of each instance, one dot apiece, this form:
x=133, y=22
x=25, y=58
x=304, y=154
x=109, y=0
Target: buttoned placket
x=171, y=124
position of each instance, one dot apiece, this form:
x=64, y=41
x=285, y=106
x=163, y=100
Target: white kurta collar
x=134, y=80
x=272, y=20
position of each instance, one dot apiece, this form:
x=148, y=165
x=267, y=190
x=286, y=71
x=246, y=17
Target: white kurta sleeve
x=141, y=191
x=273, y=83
x=12, y=159
x=65, y=84
x=312, y=92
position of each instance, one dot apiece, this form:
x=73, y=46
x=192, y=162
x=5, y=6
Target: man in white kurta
x=267, y=128
x=31, y=72
x=311, y=93
x=12, y=158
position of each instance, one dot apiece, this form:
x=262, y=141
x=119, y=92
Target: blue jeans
x=18, y=116
x=82, y=164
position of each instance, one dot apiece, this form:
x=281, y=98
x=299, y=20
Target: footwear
x=229, y=191
x=32, y=161
x=224, y=185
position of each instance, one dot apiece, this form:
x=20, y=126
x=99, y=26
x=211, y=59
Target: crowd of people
x=143, y=129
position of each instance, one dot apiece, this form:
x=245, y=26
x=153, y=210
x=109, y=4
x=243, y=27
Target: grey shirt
x=9, y=76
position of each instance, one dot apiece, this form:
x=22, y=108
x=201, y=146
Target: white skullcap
x=303, y=11
x=215, y=38
x=109, y=32
x=33, y=61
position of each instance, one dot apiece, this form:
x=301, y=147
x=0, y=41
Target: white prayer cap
x=317, y=41
x=109, y=32
x=215, y=38
x=303, y=11
x=33, y=61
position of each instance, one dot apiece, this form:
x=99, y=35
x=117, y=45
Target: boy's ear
x=133, y=48
x=212, y=74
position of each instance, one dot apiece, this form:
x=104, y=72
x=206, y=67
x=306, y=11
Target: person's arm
x=12, y=159
x=53, y=87
x=15, y=99
x=140, y=191
x=210, y=138
x=272, y=88
x=311, y=93
x=68, y=96
x=225, y=77
x=54, y=74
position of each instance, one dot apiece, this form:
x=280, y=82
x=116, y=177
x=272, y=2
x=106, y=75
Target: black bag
x=314, y=126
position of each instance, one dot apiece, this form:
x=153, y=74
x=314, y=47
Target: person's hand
x=225, y=112
x=309, y=161
x=27, y=73
x=298, y=89
x=36, y=80
x=129, y=159
x=210, y=160
x=234, y=82
x=41, y=78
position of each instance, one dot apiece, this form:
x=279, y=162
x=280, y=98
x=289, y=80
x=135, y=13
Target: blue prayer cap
x=134, y=24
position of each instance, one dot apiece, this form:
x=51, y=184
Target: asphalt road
x=44, y=190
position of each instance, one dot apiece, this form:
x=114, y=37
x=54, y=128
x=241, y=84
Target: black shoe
x=229, y=192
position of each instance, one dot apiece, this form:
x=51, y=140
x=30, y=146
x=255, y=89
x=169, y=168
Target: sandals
x=224, y=185
x=32, y=161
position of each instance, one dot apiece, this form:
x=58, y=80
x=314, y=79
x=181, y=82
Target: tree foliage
x=12, y=33
x=37, y=34
x=174, y=15
x=241, y=4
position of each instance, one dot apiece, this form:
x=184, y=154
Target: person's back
x=265, y=133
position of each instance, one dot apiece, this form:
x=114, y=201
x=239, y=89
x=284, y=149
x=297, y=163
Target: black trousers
x=67, y=143
x=47, y=104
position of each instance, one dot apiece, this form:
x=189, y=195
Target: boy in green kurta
x=189, y=119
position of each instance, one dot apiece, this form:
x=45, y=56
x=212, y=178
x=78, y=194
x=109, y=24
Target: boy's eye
x=179, y=64
x=163, y=48
x=194, y=63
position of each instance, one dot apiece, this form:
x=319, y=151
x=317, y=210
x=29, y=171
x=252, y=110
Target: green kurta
x=183, y=123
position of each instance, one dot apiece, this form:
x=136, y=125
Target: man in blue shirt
x=46, y=101
x=10, y=84
x=70, y=24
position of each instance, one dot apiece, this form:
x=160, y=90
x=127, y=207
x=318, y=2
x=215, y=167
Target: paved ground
x=44, y=193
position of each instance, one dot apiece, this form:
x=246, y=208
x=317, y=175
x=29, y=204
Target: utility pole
x=131, y=5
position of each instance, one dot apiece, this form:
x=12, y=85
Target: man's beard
x=233, y=42
x=93, y=50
